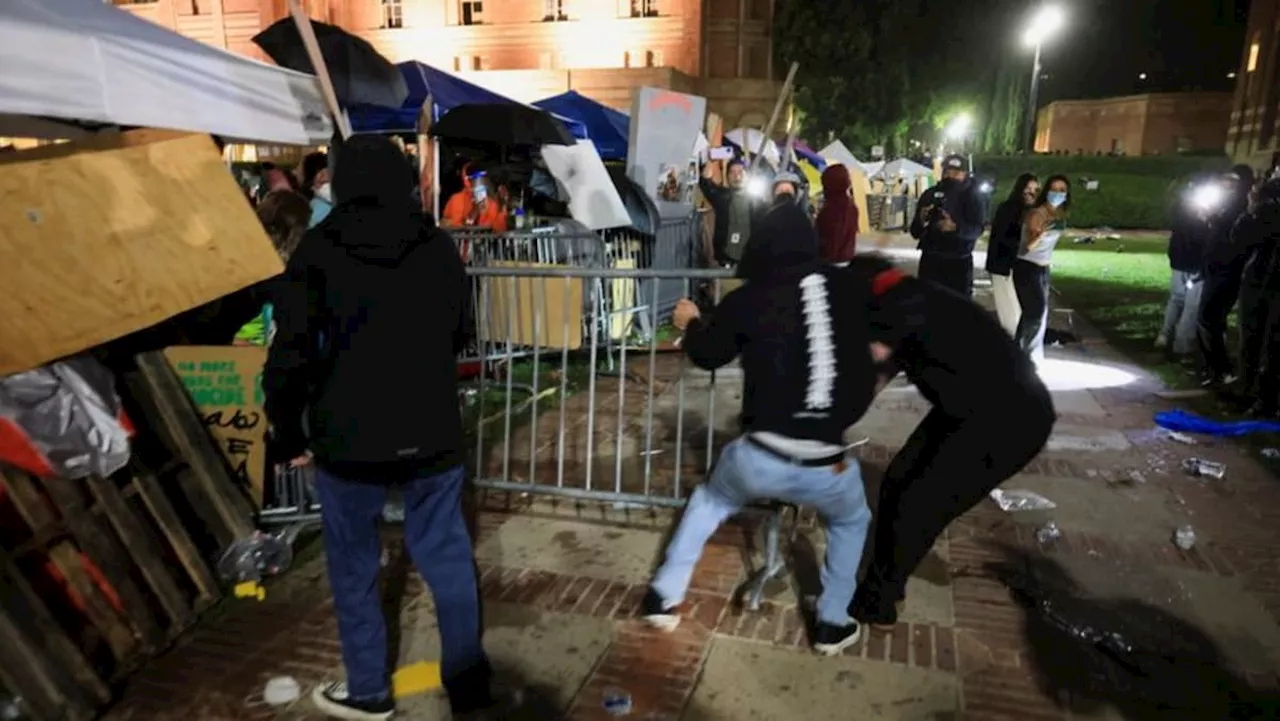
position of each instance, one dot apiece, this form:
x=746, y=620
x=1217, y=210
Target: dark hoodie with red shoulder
x=838, y=220
x=367, y=330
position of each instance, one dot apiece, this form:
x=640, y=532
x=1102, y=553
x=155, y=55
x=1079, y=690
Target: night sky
x=1180, y=44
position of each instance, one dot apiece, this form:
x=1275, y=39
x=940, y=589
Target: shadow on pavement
x=1142, y=660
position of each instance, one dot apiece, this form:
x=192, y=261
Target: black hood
x=376, y=218
x=783, y=240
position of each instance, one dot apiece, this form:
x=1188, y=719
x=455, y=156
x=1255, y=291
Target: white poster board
x=593, y=200
x=664, y=130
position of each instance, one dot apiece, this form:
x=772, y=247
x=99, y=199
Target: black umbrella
x=502, y=124
x=643, y=212
x=358, y=72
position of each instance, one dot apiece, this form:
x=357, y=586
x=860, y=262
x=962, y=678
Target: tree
x=888, y=71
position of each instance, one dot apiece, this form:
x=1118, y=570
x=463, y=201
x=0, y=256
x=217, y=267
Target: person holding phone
x=1041, y=231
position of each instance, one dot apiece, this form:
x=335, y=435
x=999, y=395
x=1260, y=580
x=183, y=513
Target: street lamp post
x=1045, y=23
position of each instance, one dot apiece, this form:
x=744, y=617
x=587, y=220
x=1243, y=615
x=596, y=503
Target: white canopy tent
x=902, y=168
x=86, y=61
x=837, y=152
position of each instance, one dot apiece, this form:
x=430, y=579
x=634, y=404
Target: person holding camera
x=949, y=219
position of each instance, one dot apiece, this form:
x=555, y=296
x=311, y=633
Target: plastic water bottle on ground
x=1185, y=538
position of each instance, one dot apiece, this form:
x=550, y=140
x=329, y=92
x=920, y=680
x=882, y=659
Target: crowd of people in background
x=1223, y=255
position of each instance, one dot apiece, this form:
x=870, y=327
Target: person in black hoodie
x=800, y=328
x=991, y=416
x=366, y=339
x=1258, y=231
x=1223, y=264
x=1186, y=280
x=1002, y=248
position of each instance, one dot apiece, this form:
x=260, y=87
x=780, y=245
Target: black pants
x=1031, y=283
x=948, y=271
x=1255, y=311
x=1216, y=301
x=1267, y=381
x=945, y=468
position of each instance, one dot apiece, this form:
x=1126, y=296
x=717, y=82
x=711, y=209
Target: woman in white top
x=1041, y=230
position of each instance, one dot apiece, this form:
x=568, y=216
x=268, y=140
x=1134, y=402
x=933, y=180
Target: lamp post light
x=958, y=130
x=1048, y=21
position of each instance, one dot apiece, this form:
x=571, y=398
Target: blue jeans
x=436, y=537
x=746, y=473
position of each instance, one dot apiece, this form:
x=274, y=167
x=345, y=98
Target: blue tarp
x=1191, y=423
x=606, y=127
x=447, y=92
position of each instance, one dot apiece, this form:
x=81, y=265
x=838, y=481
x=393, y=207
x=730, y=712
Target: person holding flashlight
x=1223, y=265
x=1186, y=264
x=949, y=219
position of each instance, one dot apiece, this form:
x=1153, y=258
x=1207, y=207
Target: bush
x=1132, y=192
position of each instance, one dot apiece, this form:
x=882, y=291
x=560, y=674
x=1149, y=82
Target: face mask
x=325, y=193
x=479, y=193
x=1056, y=198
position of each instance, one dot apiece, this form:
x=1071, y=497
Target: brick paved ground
x=998, y=625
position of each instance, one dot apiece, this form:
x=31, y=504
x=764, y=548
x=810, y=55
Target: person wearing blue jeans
x=435, y=535
x=375, y=378
x=800, y=328
x=748, y=471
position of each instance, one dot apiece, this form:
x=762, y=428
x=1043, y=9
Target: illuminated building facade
x=1252, y=136
x=529, y=49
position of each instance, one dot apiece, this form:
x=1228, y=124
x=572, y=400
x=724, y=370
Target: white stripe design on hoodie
x=819, y=341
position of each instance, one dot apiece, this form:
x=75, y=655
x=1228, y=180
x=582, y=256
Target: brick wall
x=1135, y=125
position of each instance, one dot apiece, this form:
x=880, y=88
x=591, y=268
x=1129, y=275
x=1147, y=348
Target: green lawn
x=1121, y=287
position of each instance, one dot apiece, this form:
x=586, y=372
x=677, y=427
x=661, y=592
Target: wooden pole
x=308, y=35
x=777, y=110
x=427, y=185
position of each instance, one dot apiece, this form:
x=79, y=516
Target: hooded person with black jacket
x=1223, y=264
x=799, y=326
x=367, y=334
x=1259, y=232
x=991, y=416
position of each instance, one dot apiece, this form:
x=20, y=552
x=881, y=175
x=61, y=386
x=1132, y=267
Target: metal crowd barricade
x=638, y=439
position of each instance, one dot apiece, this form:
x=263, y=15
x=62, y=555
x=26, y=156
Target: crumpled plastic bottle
x=256, y=556
x=1185, y=538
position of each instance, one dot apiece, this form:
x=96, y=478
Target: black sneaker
x=658, y=613
x=334, y=701
x=831, y=640
x=878, y=609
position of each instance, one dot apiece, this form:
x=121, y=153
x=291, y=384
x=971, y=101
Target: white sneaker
x=333, y=700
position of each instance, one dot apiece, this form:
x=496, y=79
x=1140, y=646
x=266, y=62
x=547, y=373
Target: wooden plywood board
x=106, y=237
x=511, y=303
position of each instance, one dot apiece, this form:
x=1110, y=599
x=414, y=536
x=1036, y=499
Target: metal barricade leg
x=774, y=559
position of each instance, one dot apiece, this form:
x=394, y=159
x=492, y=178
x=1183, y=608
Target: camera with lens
x=936, y=202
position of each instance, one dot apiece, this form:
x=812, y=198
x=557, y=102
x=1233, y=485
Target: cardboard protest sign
x=225, y=385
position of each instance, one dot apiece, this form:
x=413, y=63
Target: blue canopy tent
x=609, y=129
x=447, y=92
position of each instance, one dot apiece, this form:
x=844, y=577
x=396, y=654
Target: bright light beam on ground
x=1068, y=375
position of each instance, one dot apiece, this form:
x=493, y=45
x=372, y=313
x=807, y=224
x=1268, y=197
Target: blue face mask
x=1056, y=198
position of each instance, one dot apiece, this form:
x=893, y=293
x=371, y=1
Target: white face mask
x=325, y=193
